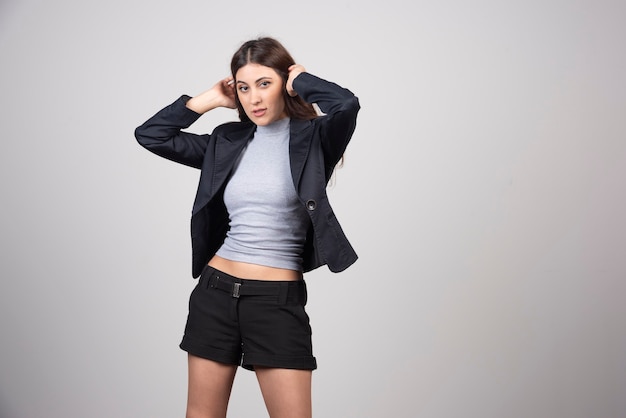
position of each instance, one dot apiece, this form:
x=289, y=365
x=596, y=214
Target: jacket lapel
x=227, y=148
x=299, y=146
x=226, y=153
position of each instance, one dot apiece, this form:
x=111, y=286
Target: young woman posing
x=261, y=218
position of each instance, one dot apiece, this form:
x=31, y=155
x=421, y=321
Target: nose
x=255, y=97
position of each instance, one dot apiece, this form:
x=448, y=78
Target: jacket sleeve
x=340, y=107
x=162, y=134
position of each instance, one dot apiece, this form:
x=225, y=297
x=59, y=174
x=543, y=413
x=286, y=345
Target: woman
x=260, y=219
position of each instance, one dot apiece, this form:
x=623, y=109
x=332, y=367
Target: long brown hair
x=271, y=53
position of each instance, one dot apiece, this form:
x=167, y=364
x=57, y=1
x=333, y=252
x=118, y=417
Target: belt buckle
x=236, y=290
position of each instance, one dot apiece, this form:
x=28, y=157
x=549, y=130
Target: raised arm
x=162, y=134
x=222, y=94
x=339, y=105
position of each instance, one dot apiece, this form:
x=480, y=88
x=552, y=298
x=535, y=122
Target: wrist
x=203, y=102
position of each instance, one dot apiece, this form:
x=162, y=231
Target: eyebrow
x=259, y=79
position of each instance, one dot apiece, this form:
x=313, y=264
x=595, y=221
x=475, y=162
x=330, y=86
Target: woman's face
x=260, y=91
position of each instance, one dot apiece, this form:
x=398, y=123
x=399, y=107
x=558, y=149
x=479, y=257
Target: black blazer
x=315, y=148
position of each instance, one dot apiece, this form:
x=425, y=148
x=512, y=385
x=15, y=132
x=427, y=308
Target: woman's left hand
x=294, y=71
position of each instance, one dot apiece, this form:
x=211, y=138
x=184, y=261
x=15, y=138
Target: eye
x=243, y=88
x=264, y=83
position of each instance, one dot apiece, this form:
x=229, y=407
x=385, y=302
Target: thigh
x=286, y=392
x=210, y=384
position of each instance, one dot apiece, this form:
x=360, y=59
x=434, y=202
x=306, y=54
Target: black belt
x=292, y=290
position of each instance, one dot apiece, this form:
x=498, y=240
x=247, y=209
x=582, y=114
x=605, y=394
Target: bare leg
x=210, y=384
x=287, y=393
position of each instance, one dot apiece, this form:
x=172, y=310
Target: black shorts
x=249, y=322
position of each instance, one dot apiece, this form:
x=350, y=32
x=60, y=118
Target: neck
x=276, y=127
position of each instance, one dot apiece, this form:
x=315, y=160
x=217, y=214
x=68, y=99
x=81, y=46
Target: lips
x=258, y=112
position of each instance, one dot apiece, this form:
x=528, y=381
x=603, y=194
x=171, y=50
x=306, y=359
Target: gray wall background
x=484, y=191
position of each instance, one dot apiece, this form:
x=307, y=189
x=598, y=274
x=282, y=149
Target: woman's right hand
x=222, y=94
x=226, y=89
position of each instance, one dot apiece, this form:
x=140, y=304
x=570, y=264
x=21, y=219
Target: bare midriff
x=253, y=271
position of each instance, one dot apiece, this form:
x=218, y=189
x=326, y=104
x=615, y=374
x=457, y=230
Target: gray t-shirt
x=268, y=223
